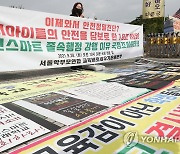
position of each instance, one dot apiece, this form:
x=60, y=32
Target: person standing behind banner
x=77, y=10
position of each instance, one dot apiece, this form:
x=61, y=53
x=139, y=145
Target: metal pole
x=164, y=10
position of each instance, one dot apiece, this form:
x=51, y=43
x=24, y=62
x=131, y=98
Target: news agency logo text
x=132, y=138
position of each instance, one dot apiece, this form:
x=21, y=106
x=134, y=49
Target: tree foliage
x=153, y=25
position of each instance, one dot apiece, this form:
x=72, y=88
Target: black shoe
x=76, y=67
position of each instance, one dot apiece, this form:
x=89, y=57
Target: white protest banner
x=38, y=40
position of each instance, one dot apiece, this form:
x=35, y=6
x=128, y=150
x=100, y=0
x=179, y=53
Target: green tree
x=153, y=25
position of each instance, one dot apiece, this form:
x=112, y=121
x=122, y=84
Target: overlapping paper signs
x=15, y=91
x=74, y=104
x=145, y=80
x=19, y=125
x=149, y=124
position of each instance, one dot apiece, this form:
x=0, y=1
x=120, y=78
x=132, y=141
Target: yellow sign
x=172, y=73
x=149, y=124
x=16, y=91
x=153, y=8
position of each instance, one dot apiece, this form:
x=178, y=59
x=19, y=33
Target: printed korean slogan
x=38, y=40
x=149, y=124
x=153, y=8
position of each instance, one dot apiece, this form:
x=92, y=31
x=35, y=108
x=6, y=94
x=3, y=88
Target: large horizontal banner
x=38, y=40
x=149, y=124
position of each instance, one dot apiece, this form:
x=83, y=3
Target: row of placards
x=146, y=118
x=83, y=100
x=60, y=106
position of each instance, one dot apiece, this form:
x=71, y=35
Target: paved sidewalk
x=22, y=75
